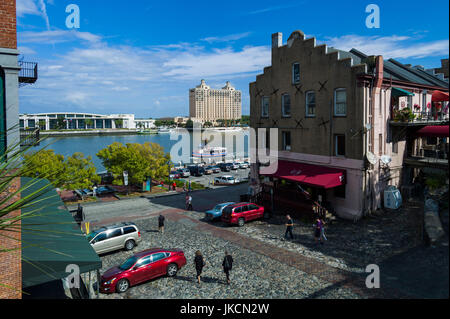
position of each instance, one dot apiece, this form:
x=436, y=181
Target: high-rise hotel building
x=209, y=105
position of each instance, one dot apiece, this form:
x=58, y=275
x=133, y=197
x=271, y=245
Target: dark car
x=141, y=267
x=224, y=167
x=196, y=170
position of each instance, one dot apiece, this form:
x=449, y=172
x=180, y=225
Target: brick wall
x=8, y=30
x=10, y=262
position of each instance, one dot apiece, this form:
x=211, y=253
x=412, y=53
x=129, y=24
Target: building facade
x=79, y=121
x=333, y=112
x=209, y=105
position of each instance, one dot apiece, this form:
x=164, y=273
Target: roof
x=399, y=71
x=51, y=239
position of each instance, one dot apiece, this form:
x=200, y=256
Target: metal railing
x=28, y=72
x=29, y=137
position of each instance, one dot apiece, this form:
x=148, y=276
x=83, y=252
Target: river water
x=179, y=143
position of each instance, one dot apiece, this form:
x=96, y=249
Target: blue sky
x=142, y=57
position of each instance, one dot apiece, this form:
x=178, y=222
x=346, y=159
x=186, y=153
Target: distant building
x=443, y=69
x=77, y=121
x=210, y=105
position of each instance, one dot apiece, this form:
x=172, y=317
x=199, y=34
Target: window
x=286, y=141
x=339, y=143
x=265, y=106
x=286, y=105
x=295, y=73
x=238, y=210
x=244, y=208
x=268, y=138
x=31, y=123
x=340, y=102
x=310, y=104
x=380, y=144
x=115, y=233
x=395, y=147
x=158, y=256
x=129, y=230
x=144, y=261
x=409, y=102
x=100, y=237
x=21, y=124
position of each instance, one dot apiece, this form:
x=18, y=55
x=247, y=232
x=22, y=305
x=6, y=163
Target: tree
x=139, y=160
x=72, y=173
x=189, y=124
x=207, y=124
x=61, y=123
x=119, y=123
x=89, y=123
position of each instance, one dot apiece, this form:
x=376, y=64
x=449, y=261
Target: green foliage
x=119, y=123
x=72, y=173
x=159, y=123
x=189, y=124
x=245, y=120
x=435, y=181
x=139, y=160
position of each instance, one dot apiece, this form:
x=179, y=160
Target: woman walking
x=318, y=230
x=199, y=263
x=227, y=265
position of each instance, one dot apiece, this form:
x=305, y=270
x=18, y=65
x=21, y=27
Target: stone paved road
x=270, y=267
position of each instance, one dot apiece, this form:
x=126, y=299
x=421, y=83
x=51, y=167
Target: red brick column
x=11, y=262
x=8, y=28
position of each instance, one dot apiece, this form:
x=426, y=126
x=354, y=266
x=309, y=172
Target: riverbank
x=67, y=133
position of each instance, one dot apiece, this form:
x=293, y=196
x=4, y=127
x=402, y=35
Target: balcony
x=407, y=117
x=28, y=73
x=29, y=137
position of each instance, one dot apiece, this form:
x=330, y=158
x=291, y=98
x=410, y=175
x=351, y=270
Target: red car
x=140, y=267
x=241, y=213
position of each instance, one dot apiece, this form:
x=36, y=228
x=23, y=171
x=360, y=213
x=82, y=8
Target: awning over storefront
x=400, y=92
x=433, y=131
x=51, y=240
x=439, y=96
x=312, y=175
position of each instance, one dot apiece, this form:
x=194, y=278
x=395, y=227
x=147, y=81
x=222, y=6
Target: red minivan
x=141, y=267
x=241, y=213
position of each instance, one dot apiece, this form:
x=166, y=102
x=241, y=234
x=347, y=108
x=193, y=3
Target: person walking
x=174, y=186
x=289, y=227
x=189, y=202
x=318, y=230
x=227, y=265
x=322, y=232
x=161, y=219
x=199, y=263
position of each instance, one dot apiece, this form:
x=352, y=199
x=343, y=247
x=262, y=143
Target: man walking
x=161, y=223
x=227, y=265
x=189, y=202
x=289, y=227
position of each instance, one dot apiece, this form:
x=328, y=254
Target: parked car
x=83, y=192
x=174, y=175
x=216, y=169
x=235, y=166
x=226, y=179
x=225, y=167
x=196, y=170
x=184, y=172
x=243, y=165
x=241, y=213
x=216, y=212
x=141, y=267
x=114, y=237
x=103, y=190
x=209, y=170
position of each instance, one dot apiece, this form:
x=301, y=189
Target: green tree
x=189, y=124
x=119, y=123
x=72, y=173
x=139, y=160
x=89, y=123
x=80, y=172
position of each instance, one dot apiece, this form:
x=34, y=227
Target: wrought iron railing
x=29, y=136
x=408, y=116
x=28, y=72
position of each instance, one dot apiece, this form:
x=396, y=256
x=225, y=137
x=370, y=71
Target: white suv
x=226, y=179
x=114, y=237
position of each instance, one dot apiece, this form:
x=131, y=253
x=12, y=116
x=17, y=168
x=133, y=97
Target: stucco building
x=209, y=105
x=338, y=132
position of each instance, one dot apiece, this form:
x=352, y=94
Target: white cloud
x=24, y=7
x=227, y=38
x=56, y=36
x=390, y=46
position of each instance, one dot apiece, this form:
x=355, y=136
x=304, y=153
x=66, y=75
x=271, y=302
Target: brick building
x=10, y=262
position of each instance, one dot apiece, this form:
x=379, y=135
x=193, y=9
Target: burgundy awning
x=439, y=96
x=312, y=175
x=433, y=131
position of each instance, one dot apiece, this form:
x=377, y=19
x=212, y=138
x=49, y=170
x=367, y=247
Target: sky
x=142, y=56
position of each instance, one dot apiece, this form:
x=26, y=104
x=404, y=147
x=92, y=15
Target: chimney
x=378, y=72
x=277, y=41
